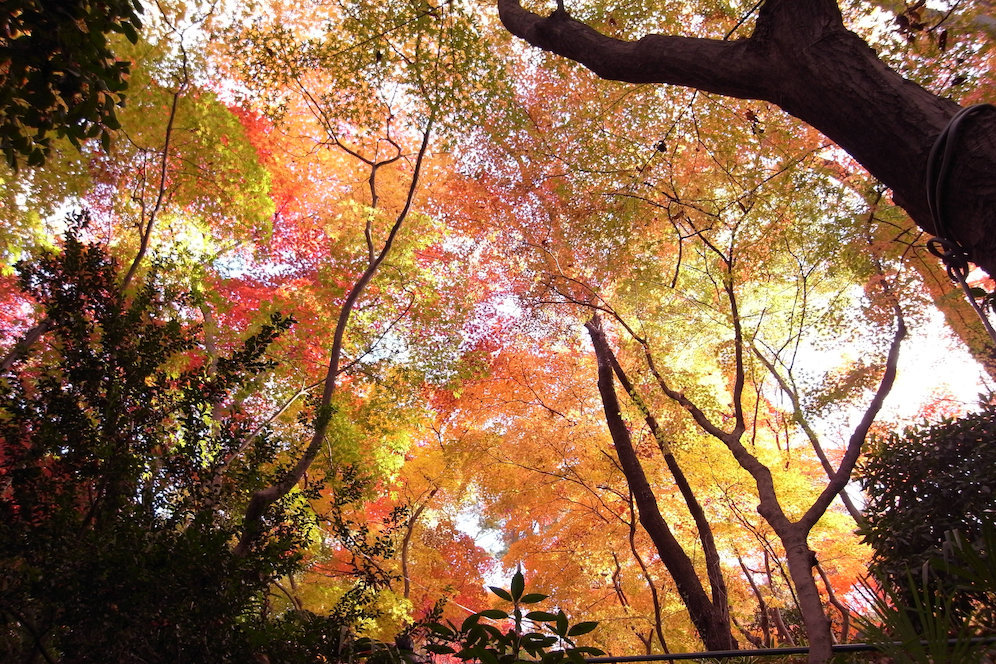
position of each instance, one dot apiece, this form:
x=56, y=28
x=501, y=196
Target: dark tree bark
x=714, y=572
x=793, y=535
x=711, y=622
x=802, y=58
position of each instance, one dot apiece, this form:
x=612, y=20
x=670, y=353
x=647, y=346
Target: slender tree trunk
x=845, y=614
x=714, y=571
x=762, y=609
x=801, y=561
x=406, y=542
x=654, y=595
x=713, y=625
x=263, y=498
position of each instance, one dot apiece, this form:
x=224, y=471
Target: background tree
x=749, y=455
x=710, y=614
x=361, y=109
x=263, y=171
x=656, y=240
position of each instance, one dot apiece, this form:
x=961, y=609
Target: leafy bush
x=925, y=621
x=921, y=485
x=930, y=518
x=125, y=467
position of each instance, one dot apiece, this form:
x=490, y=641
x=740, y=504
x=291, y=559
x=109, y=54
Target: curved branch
x=406, y=542
x=843, y=474
x=262, y=499
x=734, y=68
x=799, y=56
x=800, y=418
x=845, y=613
x=146, y=232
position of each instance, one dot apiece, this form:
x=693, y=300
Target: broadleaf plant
x=536, y=636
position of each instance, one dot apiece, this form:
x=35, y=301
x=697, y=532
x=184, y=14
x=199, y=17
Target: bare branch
x=843, y=474
x=149, y=222
x=800, y=418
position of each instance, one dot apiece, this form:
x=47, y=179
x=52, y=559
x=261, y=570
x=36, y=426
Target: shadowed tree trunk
x=717, y=583
x=712, y=621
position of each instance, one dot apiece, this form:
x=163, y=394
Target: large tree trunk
x=711, y=622
x=802, y=58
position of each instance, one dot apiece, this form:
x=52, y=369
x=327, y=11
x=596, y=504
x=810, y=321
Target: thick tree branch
x=734, y=68
x=24, y=344
x=802, y=58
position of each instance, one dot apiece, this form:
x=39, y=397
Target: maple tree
x=575, y=269
x=192, y=163
x=886, y=122
x=442, y=216
x=367, y=262
x=792, y=532
x=710, y=615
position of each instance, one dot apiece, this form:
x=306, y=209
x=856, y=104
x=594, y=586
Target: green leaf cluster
x=371, y=55
x=58, y=75
x=530, y=636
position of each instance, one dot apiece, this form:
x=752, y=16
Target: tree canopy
x=319, y=317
